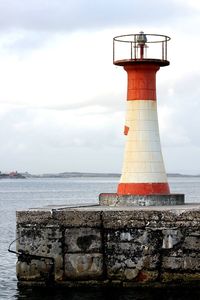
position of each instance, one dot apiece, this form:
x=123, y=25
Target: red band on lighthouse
x=143, y=189
x=141, y=81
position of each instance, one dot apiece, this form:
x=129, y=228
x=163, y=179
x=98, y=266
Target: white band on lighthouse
x=143, y=169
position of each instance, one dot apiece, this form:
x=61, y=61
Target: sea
x=20, y=194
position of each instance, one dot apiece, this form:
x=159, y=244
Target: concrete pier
x=109, y=246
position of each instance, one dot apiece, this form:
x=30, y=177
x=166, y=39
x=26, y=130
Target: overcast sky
x=62, y=102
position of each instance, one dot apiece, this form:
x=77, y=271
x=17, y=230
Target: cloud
x=22, y=42
x=63, y=102
x=179, y=111
x=71, y=71
x=58, y=140
x=57, y=15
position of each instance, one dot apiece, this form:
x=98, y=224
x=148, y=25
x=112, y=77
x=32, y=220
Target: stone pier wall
x=109, y=246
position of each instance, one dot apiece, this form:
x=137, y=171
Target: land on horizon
x=24, y=175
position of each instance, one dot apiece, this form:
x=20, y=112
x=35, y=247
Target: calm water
x=21, y=194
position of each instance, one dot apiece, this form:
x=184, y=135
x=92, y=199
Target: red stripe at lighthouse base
x=143, y=189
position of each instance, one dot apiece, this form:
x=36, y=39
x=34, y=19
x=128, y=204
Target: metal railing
x=140, y=46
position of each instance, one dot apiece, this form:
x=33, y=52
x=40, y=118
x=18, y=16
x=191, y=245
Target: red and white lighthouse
x=143, y=180
x=143, y=170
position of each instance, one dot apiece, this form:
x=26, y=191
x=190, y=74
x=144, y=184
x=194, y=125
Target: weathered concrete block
x=130, y=274
x=171, y=237
x=192, y=214
x=142, y=277
x=177, y=216
x=38, y=240
x=169, y=277
x=181, y=263
x=133, y=240
x=34, y=217
x=83, y=266
x=173, y=263
x=131, y=235
x=151, y=262
x=128, y=218
x=121, y=266
x=83, y=240
x=41, y=241
x=192, y=242
x=37, y=270
x=78, y=218
x=125, y=248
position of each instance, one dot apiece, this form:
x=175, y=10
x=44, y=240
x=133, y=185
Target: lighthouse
x=143, y=171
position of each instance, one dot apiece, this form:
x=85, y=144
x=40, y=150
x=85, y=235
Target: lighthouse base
x=113, y=199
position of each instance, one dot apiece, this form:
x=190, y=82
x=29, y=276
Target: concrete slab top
x=96, y=207
x=94, y=215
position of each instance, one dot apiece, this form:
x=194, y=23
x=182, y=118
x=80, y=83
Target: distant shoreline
x=26, y=175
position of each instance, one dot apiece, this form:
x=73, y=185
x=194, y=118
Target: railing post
x=113, y=50
x=163, y=51
x=134, y=46
x=131, y=50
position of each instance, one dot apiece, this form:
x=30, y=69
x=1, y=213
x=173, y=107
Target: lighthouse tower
x=143, y=170
x=143, y=173
x=143, y=180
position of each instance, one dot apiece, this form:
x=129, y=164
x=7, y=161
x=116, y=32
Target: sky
x=62, y=101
